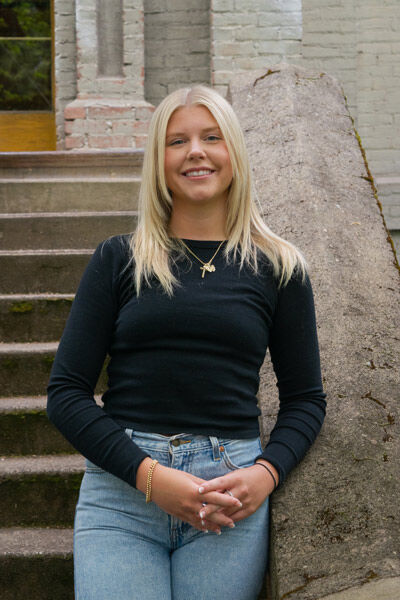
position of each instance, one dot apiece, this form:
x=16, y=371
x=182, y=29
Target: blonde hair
x=151, y=247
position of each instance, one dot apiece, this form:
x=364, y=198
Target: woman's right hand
x=177, y=493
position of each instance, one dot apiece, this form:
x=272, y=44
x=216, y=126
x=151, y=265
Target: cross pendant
x=207, y=267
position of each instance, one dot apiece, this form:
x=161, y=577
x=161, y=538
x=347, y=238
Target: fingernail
x=231, y=525
x=240, y=504
x=205, y=530
x=201, y=490
x=218, y=532
x=202, y=514
x=203, y=523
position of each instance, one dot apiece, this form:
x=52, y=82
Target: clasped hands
x=204, y=503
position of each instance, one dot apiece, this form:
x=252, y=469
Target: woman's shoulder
x=113, y=250
x=111, y=258
x=115, y=245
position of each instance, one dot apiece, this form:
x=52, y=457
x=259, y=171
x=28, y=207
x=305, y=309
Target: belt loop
x=215, y=446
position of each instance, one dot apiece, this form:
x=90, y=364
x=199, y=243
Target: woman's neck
x=197, y=227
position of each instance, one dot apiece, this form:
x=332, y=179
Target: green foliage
x=20, y=18
x=25, y=75
x=25, y=66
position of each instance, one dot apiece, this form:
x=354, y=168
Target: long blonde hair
x=151, y=247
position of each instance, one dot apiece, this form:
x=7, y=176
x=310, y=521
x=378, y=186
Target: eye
x=176, y=142
x=213, y=137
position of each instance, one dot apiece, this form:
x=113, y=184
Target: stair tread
x=88, y=157
x=57, y=463
x=23, y=541
x=48, y=252
x=69, y=214
x=27, y=347
x=43, y=296
x=26, y=404
x=72, y=179
x=21, y=404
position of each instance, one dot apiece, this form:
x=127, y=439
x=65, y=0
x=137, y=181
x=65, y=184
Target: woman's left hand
x=251, y=485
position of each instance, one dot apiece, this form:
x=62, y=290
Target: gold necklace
x=207, y=266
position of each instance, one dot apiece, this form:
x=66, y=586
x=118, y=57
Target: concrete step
x=25, y=369
x=70, y=163
x=26, y=429
x=42, y=271
x=63, y=194
x=62, y=230
x=33, y=317
x=36, y=564
x=39, y=491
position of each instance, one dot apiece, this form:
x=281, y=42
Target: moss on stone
x=21, y=307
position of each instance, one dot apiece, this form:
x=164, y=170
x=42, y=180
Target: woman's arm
x=295, y=357
x=83, y=347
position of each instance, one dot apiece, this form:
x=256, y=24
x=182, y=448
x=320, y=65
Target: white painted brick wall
x=358, y=41
x=249, y=34
x=177, y=48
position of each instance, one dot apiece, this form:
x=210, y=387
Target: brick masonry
x=107, y=111
x=65, y=62
x=106, y=123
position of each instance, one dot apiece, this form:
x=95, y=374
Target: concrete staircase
x=55, y=207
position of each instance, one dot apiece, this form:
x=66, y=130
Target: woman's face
x=197, y=164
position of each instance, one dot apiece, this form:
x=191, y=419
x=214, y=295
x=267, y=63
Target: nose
x=196, y=149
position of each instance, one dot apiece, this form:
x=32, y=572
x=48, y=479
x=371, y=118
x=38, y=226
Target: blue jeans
x=125, y=549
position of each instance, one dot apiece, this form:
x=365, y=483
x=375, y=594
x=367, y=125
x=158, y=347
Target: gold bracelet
x=149, y=478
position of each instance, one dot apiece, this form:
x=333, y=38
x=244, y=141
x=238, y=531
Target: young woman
x=174, y=500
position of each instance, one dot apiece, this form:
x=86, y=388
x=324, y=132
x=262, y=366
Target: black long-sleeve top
x=187, y=363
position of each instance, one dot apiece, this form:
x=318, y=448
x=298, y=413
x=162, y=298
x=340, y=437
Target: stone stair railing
x=335, y=523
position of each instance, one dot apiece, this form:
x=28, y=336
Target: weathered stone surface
x=26, y=482
x=62, y=230
x=36, y=564
x=25, y=369
x=62, y=194
x=384, y=589
x=33, y=317
x=42, y=271
x=26, y=429
x=335, y=522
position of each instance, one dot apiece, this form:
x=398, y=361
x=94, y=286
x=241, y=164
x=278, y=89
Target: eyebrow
x=207, y=130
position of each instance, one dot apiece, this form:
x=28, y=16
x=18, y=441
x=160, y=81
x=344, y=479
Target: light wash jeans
x=125, y=549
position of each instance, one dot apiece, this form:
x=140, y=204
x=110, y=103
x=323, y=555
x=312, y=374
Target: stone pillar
x=109, y=110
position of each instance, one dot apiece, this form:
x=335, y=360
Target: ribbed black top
x=189, y=363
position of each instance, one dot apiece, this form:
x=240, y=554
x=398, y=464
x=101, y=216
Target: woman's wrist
x=270, y=471
x=141, y=474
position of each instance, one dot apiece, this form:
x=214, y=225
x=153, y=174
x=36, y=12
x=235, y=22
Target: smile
x=198, y=173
